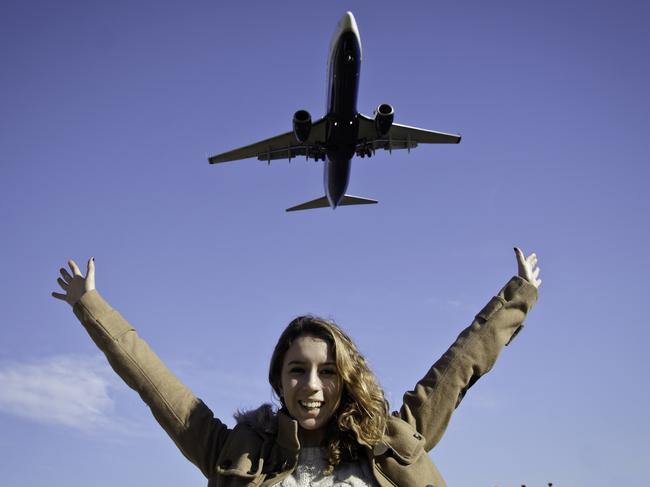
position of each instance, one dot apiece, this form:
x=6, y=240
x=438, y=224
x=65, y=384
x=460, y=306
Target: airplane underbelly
x=341, y=137
x=344, y=76
x=336, y=177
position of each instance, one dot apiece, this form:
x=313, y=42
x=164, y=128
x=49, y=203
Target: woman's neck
x=311, y=438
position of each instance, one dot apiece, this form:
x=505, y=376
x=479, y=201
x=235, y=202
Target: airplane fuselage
x=342, y=117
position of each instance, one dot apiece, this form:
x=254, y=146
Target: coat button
x=418, y=436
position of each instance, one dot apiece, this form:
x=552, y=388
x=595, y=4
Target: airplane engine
x=301, y=125
x=384, y=118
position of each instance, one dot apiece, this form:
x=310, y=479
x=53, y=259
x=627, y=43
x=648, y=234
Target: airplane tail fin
x=323, y=202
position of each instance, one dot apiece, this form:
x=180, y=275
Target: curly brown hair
x=363, y=411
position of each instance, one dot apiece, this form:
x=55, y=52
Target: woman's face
x=310, y=385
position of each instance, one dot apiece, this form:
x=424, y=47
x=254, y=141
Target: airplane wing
x=399, y=137
x=283, y=146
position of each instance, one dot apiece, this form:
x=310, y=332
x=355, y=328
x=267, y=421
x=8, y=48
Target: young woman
x=334, y=428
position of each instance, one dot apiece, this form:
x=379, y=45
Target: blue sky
x=108, y=113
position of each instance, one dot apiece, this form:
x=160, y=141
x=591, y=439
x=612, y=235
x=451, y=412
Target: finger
x=64, y=285
x=65, y=274
x=538, y=282
x=60, y=296
x=74, y=268
x=90, y=268
x=532, y=259
x=520, y=256
x=536, y=273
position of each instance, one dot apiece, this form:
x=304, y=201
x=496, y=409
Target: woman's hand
x=528, y=267
x=75, y=285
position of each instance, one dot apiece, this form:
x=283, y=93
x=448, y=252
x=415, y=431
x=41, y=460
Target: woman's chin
x=310, y=424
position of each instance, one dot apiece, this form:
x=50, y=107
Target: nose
x=348, y=23
x=314, y=383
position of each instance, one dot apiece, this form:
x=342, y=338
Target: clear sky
x=108, y=111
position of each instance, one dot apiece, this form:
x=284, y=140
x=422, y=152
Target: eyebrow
x=302, y=362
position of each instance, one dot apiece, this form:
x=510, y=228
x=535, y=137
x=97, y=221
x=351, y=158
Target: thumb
x=521, y=262
x=90, y=274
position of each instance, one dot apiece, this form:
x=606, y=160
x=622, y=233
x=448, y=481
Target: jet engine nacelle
x=384, y=118
x=301, y=125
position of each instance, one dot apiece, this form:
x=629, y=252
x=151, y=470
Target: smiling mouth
x=311, y=405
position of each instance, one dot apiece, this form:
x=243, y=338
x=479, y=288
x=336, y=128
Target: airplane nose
x=348, y=23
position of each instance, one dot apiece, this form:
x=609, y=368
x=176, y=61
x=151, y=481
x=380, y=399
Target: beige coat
x=263, y=448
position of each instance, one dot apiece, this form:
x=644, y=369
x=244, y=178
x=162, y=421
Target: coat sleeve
x=189, y=422
x=428, y=408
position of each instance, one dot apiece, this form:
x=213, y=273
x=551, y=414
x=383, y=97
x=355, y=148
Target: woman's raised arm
x=184, y=417
x=429, y=406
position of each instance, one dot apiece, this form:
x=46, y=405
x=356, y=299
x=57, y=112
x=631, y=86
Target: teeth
x=311, y=404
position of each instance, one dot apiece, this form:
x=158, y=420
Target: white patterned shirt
x=312, y=463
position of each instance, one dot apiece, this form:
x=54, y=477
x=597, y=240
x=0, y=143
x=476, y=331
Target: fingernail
x=93, y=259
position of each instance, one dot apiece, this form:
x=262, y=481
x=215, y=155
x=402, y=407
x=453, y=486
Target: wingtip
x=214, y=160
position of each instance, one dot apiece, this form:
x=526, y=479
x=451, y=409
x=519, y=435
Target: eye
x=328, y=372
x=296, y=370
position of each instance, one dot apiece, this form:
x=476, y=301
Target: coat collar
x=265, y=420
x=288, y=432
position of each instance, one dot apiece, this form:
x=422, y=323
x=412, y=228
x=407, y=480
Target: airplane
x=343, y=132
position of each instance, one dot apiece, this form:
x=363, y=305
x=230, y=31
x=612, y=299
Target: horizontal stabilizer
x=356, y=200
x=323, y=202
